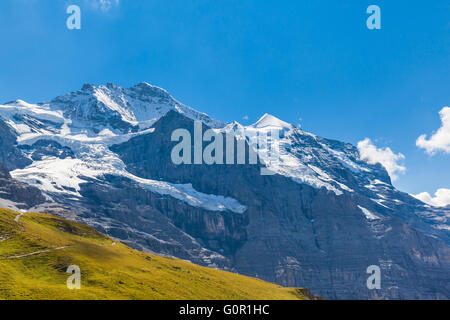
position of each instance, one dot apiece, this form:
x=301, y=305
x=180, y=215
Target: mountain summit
x=102, y=156
x=134, y=108
x=268, y=120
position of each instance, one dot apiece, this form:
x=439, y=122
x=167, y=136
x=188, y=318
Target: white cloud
x=441, y=198
x=440, y=140
x=103, y=5
x=372, y=155
x=245, y=117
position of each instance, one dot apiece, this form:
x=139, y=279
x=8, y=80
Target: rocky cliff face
x=102, y=156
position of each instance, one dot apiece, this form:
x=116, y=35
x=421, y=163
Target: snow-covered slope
x=270, y=121
x=122, y=109
x=302, y=156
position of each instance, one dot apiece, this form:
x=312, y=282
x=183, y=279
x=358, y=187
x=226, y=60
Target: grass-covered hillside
x=36, y=250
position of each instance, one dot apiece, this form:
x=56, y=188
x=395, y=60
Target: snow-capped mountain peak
x=268, y=120
x=124, y=109
x=233, y=127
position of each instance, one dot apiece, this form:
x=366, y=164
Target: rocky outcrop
x=47, y=148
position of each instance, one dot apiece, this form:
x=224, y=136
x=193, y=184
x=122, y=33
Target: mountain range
x=102, y=156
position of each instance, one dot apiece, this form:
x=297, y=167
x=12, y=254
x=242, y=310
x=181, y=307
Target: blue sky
x=313, y=63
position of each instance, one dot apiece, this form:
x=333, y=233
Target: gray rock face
x=161, y=224
x=47, y=148
x=318, y=226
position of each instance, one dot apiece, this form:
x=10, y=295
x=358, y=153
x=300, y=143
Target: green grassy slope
x=36, y=251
